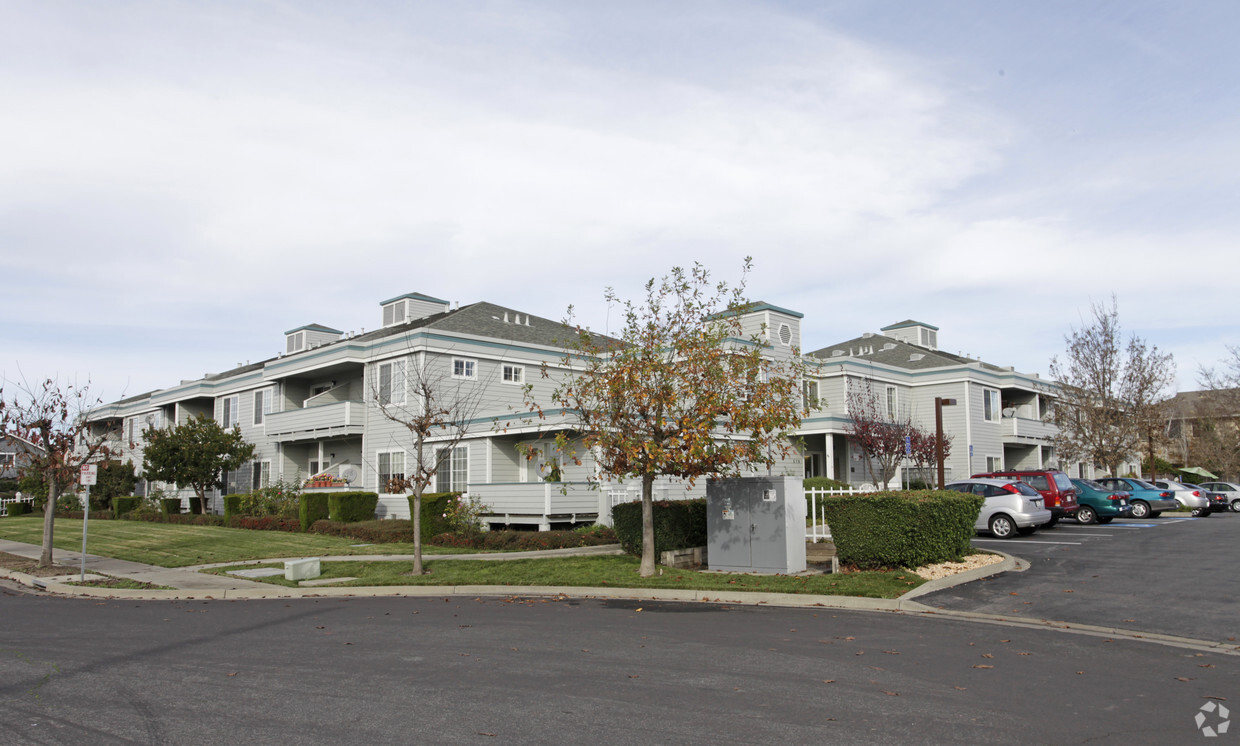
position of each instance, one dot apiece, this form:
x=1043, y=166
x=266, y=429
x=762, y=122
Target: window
x=394, y=313
x=453, y=472
x=391, y=471
x=262, y=405
x=893, y=404
x=809, y=393
x=129, y=430
x=514, y=374
x=994, y=463
x=928, y=338
x=990, y=405
x=231, y=416
x=295, y=342
x=390, y=388
x=260, y=475
x=7, y=461
x=462, y=368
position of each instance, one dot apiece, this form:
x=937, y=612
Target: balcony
x=333, y=420
x=540, y=502
x=1025, y=430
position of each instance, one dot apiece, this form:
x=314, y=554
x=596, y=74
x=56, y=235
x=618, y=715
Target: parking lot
x=1172, y=575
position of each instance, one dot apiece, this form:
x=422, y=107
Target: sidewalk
x=188, y=583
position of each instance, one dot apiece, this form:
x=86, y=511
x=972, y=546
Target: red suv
x=1057, y=489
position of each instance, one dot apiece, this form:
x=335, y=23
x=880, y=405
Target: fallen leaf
x=1220, y=699
x=963, y=688
x=892, y=652
x=892, y=694
x=828, y=681
x=1005, y=641
x=1205, y=665
x=639, y=608
x=1080, y=673
x=1181, y=678
x=987, y=655
x=490, y=735
x=634, y=676
x=234, y=673
x=1024, y=653
x=1069, y=591
x=983, y=665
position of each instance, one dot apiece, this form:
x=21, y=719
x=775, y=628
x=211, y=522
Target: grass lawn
x=606, y=571
x=175, y=545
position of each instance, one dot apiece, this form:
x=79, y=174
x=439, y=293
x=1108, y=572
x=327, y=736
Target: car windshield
x=1062, y=481
x=1144, y=484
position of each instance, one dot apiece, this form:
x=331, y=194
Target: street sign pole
x=86, y=476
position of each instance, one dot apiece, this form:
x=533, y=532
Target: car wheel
x=1140, y=509
x=1201, y=512
x=1155, y=513
x=1235, y=506
x=1001, y=526
x=1054, y=519
x=1027, y=530
x=1105, y=520
x=1086, y=515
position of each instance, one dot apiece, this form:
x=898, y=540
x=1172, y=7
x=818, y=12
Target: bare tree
x=52, y=416
x=1112, y=395
x=419, y=394
x=1215, y=435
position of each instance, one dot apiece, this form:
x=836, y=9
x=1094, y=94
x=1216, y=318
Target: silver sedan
x=1009, y=506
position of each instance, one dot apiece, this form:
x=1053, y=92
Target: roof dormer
x=914, y=333
x=411, y=306
x=309, y=336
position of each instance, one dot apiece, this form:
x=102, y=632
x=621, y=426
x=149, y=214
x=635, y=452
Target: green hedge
x=170, y=506
x=902, y=529
x=434, y=505
x=196, y=505
x=232, y=506
x=351, y=507
x=310, y=508
x=824, y=483
x=122, y=505
x=20, y=508
x=678, y=524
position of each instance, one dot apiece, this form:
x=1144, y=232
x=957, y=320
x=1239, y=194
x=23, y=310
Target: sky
x=183, y=182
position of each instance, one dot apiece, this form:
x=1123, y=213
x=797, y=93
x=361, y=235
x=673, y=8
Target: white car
x=1186, y=495
x=1010, y=506
x=1230, y=490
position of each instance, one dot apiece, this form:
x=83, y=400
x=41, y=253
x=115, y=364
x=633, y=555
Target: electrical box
x=756, y=524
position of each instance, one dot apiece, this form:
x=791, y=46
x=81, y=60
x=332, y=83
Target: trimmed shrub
x=170, y=505
x=195, y=505
x=311, y=508
x=678, y=524
x=902, y=529
x=262, y=523
x=824, y=483
x=122, y=505
x=232, y=506
x=351, y=507
x=434, y=513
x=527, y=540
x=21, y=508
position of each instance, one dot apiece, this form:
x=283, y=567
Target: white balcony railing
x=327, y=420
x=1023, y=428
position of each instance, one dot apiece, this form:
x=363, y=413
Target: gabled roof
x=1209, y=403
x=315, y=328
x=414, y=296
x=906, y=324
x=889, y=351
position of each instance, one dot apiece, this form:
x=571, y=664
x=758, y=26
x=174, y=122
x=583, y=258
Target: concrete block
x=302, y=569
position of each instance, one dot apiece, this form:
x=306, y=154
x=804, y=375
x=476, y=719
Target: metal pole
x=85, y=518
x=938, y=436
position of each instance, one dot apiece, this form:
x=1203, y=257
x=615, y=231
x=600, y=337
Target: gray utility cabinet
x=755, y=524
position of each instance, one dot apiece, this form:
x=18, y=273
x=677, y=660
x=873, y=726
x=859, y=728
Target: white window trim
x=233, y=409
x=398, y=382
x=447, y=466
x=469, y=364
x=518, y=379
x=380, y=487
x=260, y=412
x=994, y=407
x=264, y=467
x=891, y=402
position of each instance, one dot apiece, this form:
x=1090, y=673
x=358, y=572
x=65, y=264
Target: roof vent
x=837, y=353
x=889, y=346
x=867, y=335
x=915, y=357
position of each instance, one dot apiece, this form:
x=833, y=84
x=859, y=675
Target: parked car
x=1009, y=506
x=1216, y=502
x=1147, y=500
x=1187, y=495
x=1055, y=487
x=1229, y=490
x=1097, y=504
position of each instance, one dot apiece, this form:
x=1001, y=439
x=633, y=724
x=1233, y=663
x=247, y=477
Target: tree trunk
x=417, y=532
x=647, y=567
x=1153, y=470
x=49, y=518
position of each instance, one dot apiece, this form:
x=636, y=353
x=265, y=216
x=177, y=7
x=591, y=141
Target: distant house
x=1203, y=430
x=15, y=453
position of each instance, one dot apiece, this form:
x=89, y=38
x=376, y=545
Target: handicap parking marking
x=1028, y=541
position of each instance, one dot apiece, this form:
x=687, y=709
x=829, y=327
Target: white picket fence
x=818, y=530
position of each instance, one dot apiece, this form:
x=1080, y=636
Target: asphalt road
x=1175, y=576
x=460, y=670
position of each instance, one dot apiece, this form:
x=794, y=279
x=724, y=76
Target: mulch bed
x=31, y=566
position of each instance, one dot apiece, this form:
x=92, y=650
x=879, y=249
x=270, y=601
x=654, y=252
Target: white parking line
x=1081, y=533
x=1031, y=541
